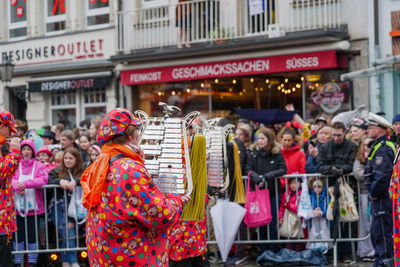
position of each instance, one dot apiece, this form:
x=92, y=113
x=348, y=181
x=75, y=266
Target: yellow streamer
x=240, y=196
x=306, y=133
x=194, y=209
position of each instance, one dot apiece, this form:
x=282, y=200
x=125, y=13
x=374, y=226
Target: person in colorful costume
x=129, y=217
x=189, y=244
x=394, y=192
x=8, y=165
x=377, y=173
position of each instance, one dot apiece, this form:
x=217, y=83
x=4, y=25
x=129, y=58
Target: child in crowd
x=45, y=156
x=318, y=198
x=28, y=198
x=84, y=143
x=95, y=151
x=292, y=194
x=58, y=158
x=319, y=225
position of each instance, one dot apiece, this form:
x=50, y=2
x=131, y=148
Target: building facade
x=61, y=51
x=217, y=55
x=77, y=59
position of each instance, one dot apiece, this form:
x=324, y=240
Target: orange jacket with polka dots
x=129, y=226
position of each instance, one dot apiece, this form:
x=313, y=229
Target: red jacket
x=293, y=202
x=295, y=159
x=8, y=166
x=130, y=224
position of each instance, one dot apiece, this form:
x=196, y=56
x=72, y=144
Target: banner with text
x=70, y=84
x=229, y=68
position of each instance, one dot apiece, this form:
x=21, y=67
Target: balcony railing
x=202, y=21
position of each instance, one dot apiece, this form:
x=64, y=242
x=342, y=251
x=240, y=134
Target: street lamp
x=6, y=70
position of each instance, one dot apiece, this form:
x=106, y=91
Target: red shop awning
x=231, y=68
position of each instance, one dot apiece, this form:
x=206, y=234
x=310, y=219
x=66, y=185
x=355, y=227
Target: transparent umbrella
x=226, y=217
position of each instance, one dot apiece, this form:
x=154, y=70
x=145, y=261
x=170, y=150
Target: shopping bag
x=319, y=230
x=347, y=205
x=348, y=209
x=258, y=207
x=331, y=204
x=304, y=208
x=26, y=203
x=75, y=207
x=291, y=227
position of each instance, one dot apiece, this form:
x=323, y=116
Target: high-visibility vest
x=377, y=146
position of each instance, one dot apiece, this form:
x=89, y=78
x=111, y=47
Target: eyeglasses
x=337, y=135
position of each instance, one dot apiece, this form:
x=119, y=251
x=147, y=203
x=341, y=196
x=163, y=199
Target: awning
x=70, y=82
x=231, y=68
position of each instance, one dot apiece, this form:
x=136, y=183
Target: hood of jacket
x=31, y=144
x=293, y=149
x=322, y=202
x=27, y=164
x=275, y=149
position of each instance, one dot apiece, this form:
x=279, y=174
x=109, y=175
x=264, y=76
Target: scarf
x=94, y=177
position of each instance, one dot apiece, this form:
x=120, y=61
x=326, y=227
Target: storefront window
x=98, y=12
x=55, y=16
x=72, y=107
x=323, y=94
x=65, y=116
x=94, y=104
x=17, y=21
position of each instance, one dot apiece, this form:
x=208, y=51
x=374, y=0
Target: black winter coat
x=270, y=164
x=55, y=179
x=330, y=154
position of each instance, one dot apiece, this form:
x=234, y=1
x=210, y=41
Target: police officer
x=377, y=172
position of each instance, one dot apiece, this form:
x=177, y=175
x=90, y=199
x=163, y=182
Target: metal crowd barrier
x=47, y=234
x=347, y=227
x=47, y=238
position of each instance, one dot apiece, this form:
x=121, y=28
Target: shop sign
x=70, y=84
x=76, y=47
x=231, y=68
x=330, y=98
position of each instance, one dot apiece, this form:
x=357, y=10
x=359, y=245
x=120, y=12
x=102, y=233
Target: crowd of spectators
x=59, y=156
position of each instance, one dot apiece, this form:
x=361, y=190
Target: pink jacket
x=292, y=202
x=40, y=177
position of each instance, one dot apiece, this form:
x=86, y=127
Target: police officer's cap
x=377, y=120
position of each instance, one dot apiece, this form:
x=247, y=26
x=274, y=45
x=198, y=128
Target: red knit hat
x=115, y=123
x=44, y=149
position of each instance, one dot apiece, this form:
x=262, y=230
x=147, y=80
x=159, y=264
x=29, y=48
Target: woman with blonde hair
x=265, y=164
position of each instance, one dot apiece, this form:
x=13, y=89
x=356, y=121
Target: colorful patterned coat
x=394, y=192
x=8, y=166
x=129, y=227
x=188, y=239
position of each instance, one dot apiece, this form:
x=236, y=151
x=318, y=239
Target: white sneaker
x=66, y=264
x=75, y=265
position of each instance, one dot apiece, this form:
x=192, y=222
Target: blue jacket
x=378, y=168
x=322, y=201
